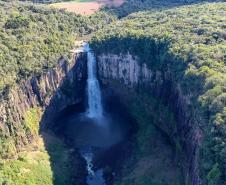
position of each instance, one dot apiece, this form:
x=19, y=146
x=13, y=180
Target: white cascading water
x=95, y=109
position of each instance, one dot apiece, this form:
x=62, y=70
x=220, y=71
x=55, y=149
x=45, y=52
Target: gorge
x=141, y=102
x=104, y=143
x=106, y=136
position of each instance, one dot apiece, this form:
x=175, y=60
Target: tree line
x=191, y=42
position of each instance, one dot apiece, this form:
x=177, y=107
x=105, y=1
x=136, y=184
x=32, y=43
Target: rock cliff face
x=50, y=92
x=125, y=70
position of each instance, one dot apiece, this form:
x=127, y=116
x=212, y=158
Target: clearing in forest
x=86, y=7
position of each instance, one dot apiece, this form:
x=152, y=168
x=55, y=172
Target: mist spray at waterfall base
x=95, y=112
x=97, y=134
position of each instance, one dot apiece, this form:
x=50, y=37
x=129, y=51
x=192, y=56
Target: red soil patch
x=86, y=8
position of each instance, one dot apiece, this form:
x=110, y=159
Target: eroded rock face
x=47, y=91
x=127, y=71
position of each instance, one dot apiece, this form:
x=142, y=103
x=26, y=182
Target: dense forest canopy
x=131, y=6
x=191, y=41
x=33, y=38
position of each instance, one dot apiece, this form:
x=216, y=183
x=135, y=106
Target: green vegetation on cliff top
x=131, y=6
x=190, y=42
x=33, y=38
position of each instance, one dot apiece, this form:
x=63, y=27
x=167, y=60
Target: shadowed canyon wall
x=155, y=90
x=165, y=102
x=49, y=92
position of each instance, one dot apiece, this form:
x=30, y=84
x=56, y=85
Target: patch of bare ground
x=86, y=8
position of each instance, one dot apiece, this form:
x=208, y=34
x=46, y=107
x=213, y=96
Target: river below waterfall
x=101, y=137
x=102, y=147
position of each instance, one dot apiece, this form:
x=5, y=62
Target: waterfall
x=95, y=109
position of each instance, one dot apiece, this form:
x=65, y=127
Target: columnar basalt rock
x=43, y=91
x=126, y=70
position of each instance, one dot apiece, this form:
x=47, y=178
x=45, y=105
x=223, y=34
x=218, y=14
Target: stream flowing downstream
x=99, y=130
x=94, y=111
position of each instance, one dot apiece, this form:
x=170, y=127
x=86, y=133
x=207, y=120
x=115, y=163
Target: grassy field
x=86, y=7
x=34, y=167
